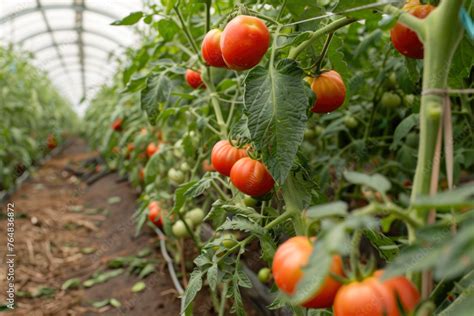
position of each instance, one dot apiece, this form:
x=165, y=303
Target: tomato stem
x=355, y=254
x=282, y=8
x=185, y=29
x=410, y=21
x=225, y=288
x=324, y=51
x=280, y=219
x=330, y=28
x=208, y=15
x=219, y=190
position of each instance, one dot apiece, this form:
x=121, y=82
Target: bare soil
x=65, y=229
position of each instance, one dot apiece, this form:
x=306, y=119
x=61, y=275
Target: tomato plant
x=36, y=118
x=244, y=166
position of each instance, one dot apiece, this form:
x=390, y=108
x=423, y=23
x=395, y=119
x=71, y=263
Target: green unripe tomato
x=409, y=99
x=179, y=229
x=178, y=149
x=318, y=130
x=229, y=241
x=350, y=122
x=184, y=167
x=309, y=133
x=390, y=100
x=176, y=176
x=249, y=201
x=392, y=80
x=412, y=140
x=264, y=275
x=195, y=215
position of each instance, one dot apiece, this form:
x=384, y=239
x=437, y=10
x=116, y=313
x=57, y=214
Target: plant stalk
x=330, y=28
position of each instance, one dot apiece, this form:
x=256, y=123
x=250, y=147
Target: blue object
x=467, y=22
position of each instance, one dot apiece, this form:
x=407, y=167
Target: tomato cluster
x=248, y=175
x=224, y=155
x=371, y=296
x=241, y=45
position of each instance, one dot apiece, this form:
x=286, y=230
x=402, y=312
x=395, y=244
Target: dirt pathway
x=66, y=230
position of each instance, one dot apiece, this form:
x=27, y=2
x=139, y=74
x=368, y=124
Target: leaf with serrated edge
x=194, y=286
x=276, y=106
x=338, y=208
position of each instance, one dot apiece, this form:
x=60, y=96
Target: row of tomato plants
x=236, y=132
x=34, y=116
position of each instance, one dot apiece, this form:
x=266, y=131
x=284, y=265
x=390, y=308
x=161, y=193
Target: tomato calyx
x=361, y=271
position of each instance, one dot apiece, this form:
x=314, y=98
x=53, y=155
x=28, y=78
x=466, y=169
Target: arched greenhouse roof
x=72, y=40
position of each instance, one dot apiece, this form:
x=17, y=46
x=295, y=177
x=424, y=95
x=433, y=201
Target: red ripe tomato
x=51, y=141
x=194, y=79
x=244, y=41
x=290, y=258
x=251, y=177
x=117, y=124
x=154, y=214
x=211, y=49
x=151, y=149
x=371, y=297
x=130, y=147
x=402, y=288
x=330, y=92
x=224, y=156
x=141, y=175
x=405, y=40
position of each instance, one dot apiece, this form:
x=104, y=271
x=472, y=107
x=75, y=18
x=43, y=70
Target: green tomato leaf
x=212, y=276
x=71, y=284
x=276, y=106
x=194, y=286
x=242, y=224
x=130, y=19
x=138, y=287
x=459, y=198
x=180, y=197
x=156, y=95
x=338, y=208
x=385, y=246
x=377, y=182
x=403, y=129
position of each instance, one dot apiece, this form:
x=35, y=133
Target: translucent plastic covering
x=72, y=40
